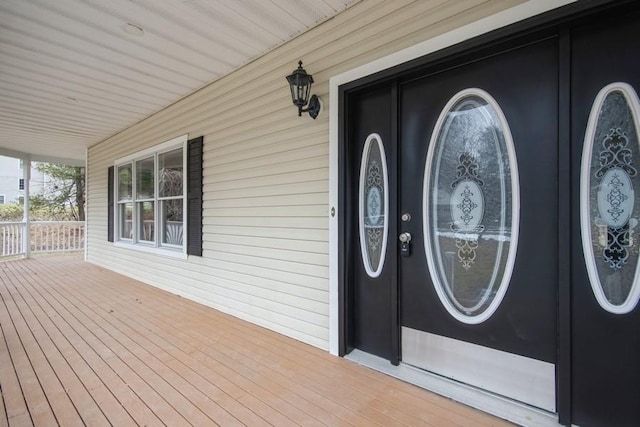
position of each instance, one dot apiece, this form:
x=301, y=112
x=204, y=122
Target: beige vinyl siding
x=266, y=171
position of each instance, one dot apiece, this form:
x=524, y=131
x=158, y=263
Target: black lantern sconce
x=300, y=84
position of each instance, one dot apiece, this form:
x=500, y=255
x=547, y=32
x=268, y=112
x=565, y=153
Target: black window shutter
x=110, y=182
x=194, y=196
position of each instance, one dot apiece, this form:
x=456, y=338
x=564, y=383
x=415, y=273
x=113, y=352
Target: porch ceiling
x=74, y=72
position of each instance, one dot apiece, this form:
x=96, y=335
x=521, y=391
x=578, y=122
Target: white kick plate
x=517, y=377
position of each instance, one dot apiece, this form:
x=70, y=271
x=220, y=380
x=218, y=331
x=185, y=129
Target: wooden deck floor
x=81, y=345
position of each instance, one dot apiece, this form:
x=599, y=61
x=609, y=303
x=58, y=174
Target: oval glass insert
x=373, y=205
x=608, y=213
x=470, y=206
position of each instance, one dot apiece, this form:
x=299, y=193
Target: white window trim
x=155, y=247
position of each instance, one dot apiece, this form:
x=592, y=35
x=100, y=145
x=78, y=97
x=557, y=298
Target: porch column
x=26, y=218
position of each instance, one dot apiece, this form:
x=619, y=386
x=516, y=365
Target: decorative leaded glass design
x=467, y=208
x=609, y=213
x=471, y=206
x=373, y=195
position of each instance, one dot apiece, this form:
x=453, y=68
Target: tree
x=65, y=192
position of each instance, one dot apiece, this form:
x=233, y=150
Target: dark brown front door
x=492, y=231
x=605, y=79
x=478, y=177
x=371, y=255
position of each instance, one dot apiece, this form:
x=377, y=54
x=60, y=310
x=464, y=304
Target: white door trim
x=515, y=14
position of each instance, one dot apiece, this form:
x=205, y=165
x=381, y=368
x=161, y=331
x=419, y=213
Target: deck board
x=80, y=345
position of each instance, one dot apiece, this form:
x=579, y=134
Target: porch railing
x=11, y=240
x=46, y=236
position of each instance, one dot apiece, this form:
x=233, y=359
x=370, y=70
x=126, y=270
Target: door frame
x=533, y=16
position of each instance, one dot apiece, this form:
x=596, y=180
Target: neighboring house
x=463, y=205
x=12, y=180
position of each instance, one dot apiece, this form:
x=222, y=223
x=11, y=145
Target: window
x=1, y=199
x=150, y=197
x=374, y=204
x=21, y=184
x=171, y=195
x=125, y=207
x=470, y=206
x=609, y=208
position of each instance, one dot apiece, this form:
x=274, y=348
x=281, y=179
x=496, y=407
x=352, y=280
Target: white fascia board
x=41, y=158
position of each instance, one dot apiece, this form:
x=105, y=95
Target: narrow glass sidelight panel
x=373, y=205
x=470, y=206
x=608, y=212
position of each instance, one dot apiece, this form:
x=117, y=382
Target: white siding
x=266, y=171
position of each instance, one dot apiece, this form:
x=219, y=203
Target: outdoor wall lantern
x=300, y=84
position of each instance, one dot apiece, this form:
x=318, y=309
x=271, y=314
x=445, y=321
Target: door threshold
x=493, y=404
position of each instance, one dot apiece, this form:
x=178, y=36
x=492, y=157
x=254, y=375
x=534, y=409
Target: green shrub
x=12, y=212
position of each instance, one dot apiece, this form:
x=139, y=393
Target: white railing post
x=26, y=218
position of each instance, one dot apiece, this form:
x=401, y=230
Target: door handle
x=405, y=237
x=405, y=244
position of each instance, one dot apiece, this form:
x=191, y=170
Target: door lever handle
x=405, y=237
x=405, y=244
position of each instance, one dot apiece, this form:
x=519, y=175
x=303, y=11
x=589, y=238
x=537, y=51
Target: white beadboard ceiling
x=74, y=72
